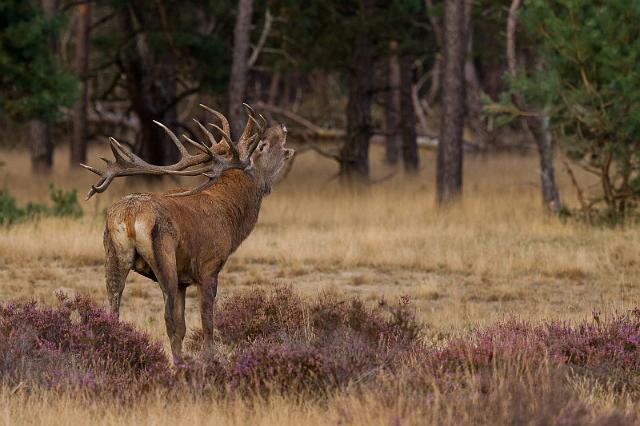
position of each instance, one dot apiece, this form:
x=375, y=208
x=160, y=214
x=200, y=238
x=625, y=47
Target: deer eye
x=261, y=146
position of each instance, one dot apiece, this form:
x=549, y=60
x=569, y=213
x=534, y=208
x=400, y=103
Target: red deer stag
x=184, y=237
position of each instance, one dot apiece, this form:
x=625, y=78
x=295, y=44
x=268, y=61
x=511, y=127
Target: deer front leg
x=208, y=291
x=181, y=326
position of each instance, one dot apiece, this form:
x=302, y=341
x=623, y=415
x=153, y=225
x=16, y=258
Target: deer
x=183, y=237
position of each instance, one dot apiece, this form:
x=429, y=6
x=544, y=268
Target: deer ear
x=288, y=153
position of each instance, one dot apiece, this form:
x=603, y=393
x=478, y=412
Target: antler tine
x=234, y=150
x=194, y=172
x=202, y=147
x=248, y=108
x=252, y=116
x=221, y=117
x=248, y=128
x=198, y=145
x=212, y=163
x=264, y=121
x=128, y=164
x=174, y=138
x=119, y=152
x=260, y=128
x=252, y=144
x=186, y=159
x=249, y=143
x=124, y=157
x=90, y=193
x=204, y=185
x=101, y=186
x=207, y=133
x=91, y=169
x=212, y=175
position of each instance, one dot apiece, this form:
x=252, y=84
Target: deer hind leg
x=118, y=263
x=208, y=291
x=159, y=253
x=181, y=326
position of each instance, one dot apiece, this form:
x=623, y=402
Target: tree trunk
x=354, y=155
x=450, y=149
x=79, y=137
x=537, y=126
x=41, y=134
x=41, y=130
x=166, y=87
x=151, y=87
x=473, y=88
x=393, y=138
x=274, y=88
x=408, y=117
x=240, y=65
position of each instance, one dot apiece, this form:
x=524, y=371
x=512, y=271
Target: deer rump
x=143, y=228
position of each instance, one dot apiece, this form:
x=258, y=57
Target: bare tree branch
x=575, y=184
x=315, y=148
x=268, y=21
x=307, y=124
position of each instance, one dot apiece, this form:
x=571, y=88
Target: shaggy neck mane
x=237, y=195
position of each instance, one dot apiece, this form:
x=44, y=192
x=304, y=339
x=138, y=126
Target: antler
x=249, y=142
x=128, y=164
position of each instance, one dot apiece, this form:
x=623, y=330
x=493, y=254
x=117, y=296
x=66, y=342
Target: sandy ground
x=449, y=303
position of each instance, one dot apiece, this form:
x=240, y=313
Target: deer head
x=270, y=155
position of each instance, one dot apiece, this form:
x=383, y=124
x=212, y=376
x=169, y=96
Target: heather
x=601, y=348
x=278, y=343
x=76, y=345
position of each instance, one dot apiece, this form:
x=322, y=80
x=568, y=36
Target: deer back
x=205, y=227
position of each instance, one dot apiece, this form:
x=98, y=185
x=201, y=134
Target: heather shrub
x=604, y=350
x=388, y=323
x=269, y=341
x=608, y=350
x=209, y=372
x=77, y=345
x=503, y=395
x=292, y=368
x=358, y=341
x=278, y=341
x=257, y=314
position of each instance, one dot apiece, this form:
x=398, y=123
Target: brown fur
x=129, y=220
x=181, y=241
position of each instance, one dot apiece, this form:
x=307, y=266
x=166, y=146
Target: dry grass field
x=495, y=256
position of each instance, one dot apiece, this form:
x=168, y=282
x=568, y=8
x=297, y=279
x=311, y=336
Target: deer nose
x=283, y=127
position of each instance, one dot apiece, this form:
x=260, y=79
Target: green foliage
x=195, y=36
x=9, y=211
x=322, y=33
x=588, y=80
x=65, y=204
x=504, y=111
x=31, y=83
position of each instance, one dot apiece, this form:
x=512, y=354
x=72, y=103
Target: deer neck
x=255, y=191
x=238, y=196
